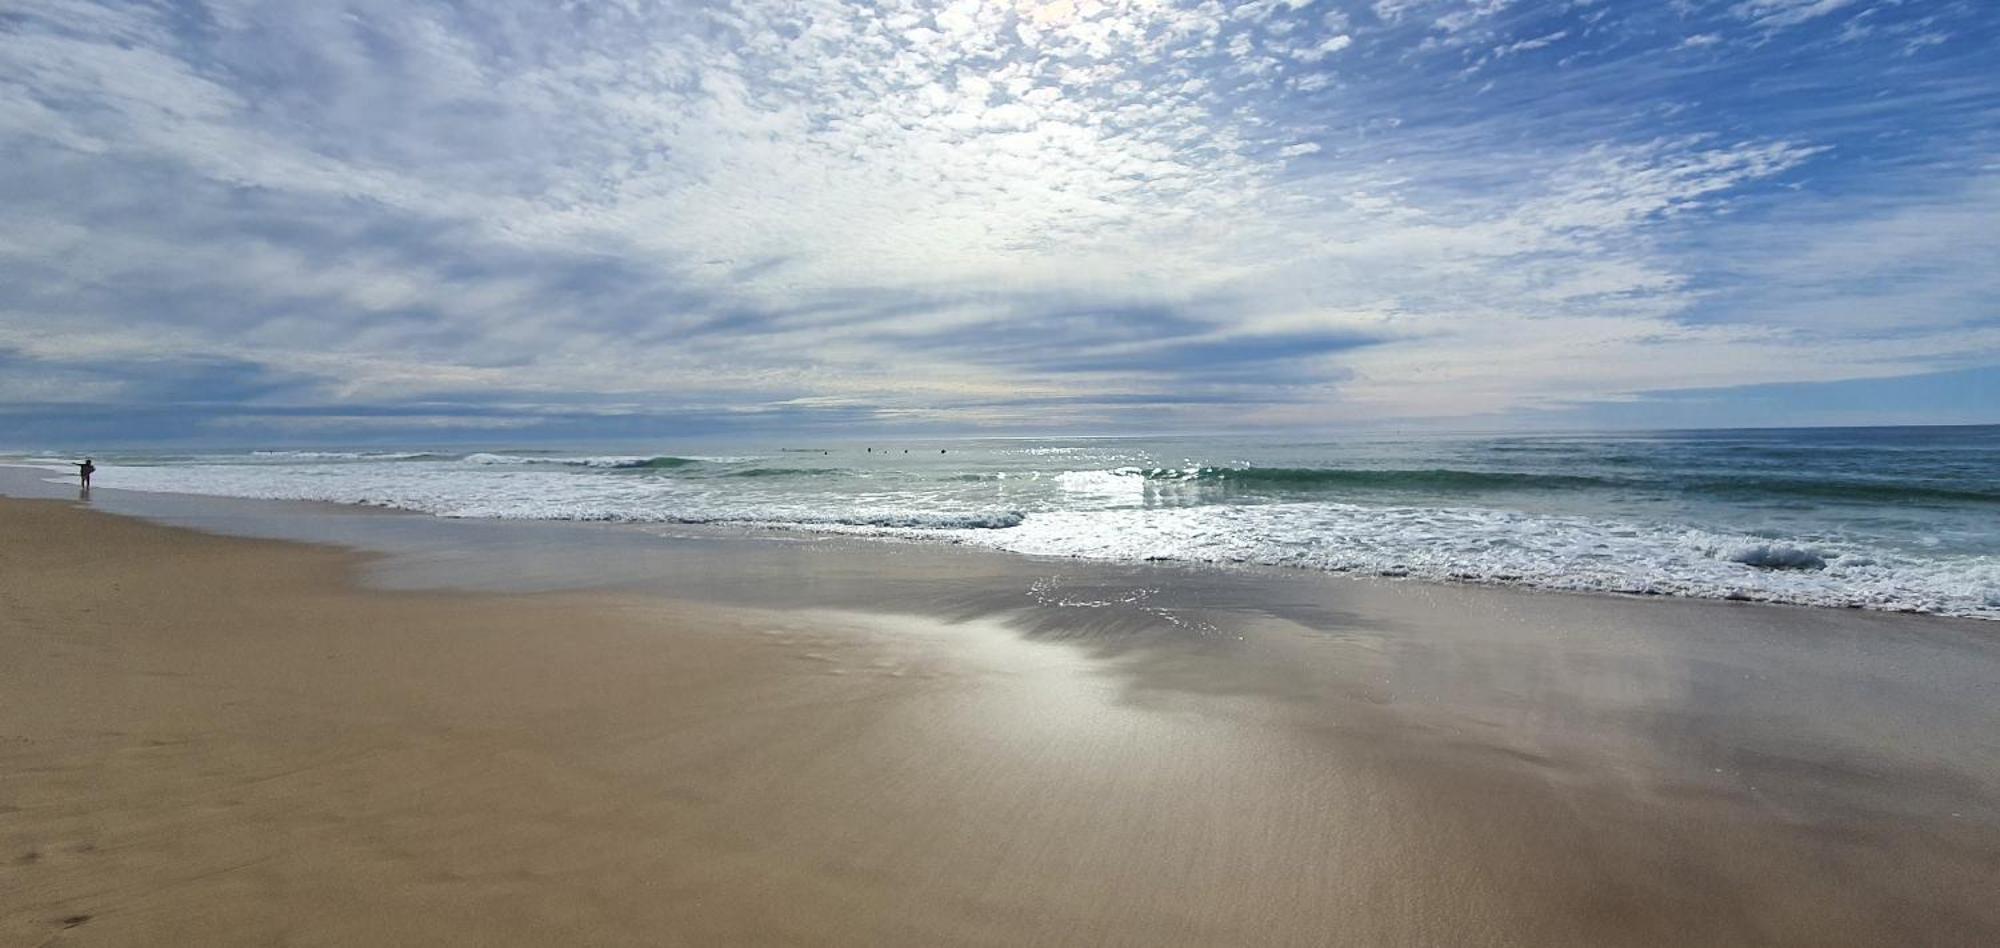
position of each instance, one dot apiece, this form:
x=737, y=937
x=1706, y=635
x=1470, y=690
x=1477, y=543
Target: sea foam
x=1448, y=543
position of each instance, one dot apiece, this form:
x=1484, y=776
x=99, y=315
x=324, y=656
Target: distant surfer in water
x=84, y=470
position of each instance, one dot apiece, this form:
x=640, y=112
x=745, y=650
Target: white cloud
x=1534, y=43
x=1324, y=48
x=760, y=203
x=1772, y=14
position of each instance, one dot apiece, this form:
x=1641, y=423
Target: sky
x=299, y=221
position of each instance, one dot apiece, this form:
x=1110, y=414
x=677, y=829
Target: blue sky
x=312, y=220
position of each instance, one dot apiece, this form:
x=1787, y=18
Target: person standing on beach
x=83, y=470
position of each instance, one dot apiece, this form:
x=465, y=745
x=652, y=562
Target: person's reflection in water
x=83, y=493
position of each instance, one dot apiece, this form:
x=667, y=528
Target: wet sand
x=221, y=740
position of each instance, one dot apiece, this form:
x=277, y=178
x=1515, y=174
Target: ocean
x=1904, y=519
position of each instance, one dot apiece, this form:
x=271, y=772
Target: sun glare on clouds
x=1443, y=209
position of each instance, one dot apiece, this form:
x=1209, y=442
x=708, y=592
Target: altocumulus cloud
x=310, y=218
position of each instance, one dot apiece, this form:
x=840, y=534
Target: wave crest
x=1299, y=478
x=1776, y=556
x=612, y=462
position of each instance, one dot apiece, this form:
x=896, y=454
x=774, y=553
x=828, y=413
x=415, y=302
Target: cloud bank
x=306, y=219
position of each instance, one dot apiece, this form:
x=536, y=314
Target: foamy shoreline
x=1456, y=545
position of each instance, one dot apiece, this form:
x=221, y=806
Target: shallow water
x=1885, y=518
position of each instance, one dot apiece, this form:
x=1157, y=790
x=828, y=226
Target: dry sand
x=214, y=741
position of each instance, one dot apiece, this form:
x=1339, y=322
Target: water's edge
x=418, y=551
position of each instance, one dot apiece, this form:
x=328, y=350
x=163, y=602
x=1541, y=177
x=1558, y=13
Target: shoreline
x=916, y=747
x=265, y=520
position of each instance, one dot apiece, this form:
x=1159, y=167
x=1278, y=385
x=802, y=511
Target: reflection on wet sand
x=994, y=746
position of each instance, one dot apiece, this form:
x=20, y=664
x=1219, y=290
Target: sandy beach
x=218, y=740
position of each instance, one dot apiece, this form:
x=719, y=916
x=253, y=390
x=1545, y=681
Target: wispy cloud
x=1779, y=13
x=1045, y=214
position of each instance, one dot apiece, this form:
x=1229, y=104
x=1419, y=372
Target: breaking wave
x=612, y=462
x=1431, y=479
x=347, y=455
x=1877, y=529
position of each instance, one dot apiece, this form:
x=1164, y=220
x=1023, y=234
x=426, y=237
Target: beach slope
x=211, y=740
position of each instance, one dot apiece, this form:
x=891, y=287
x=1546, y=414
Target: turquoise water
x=1890, y=518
